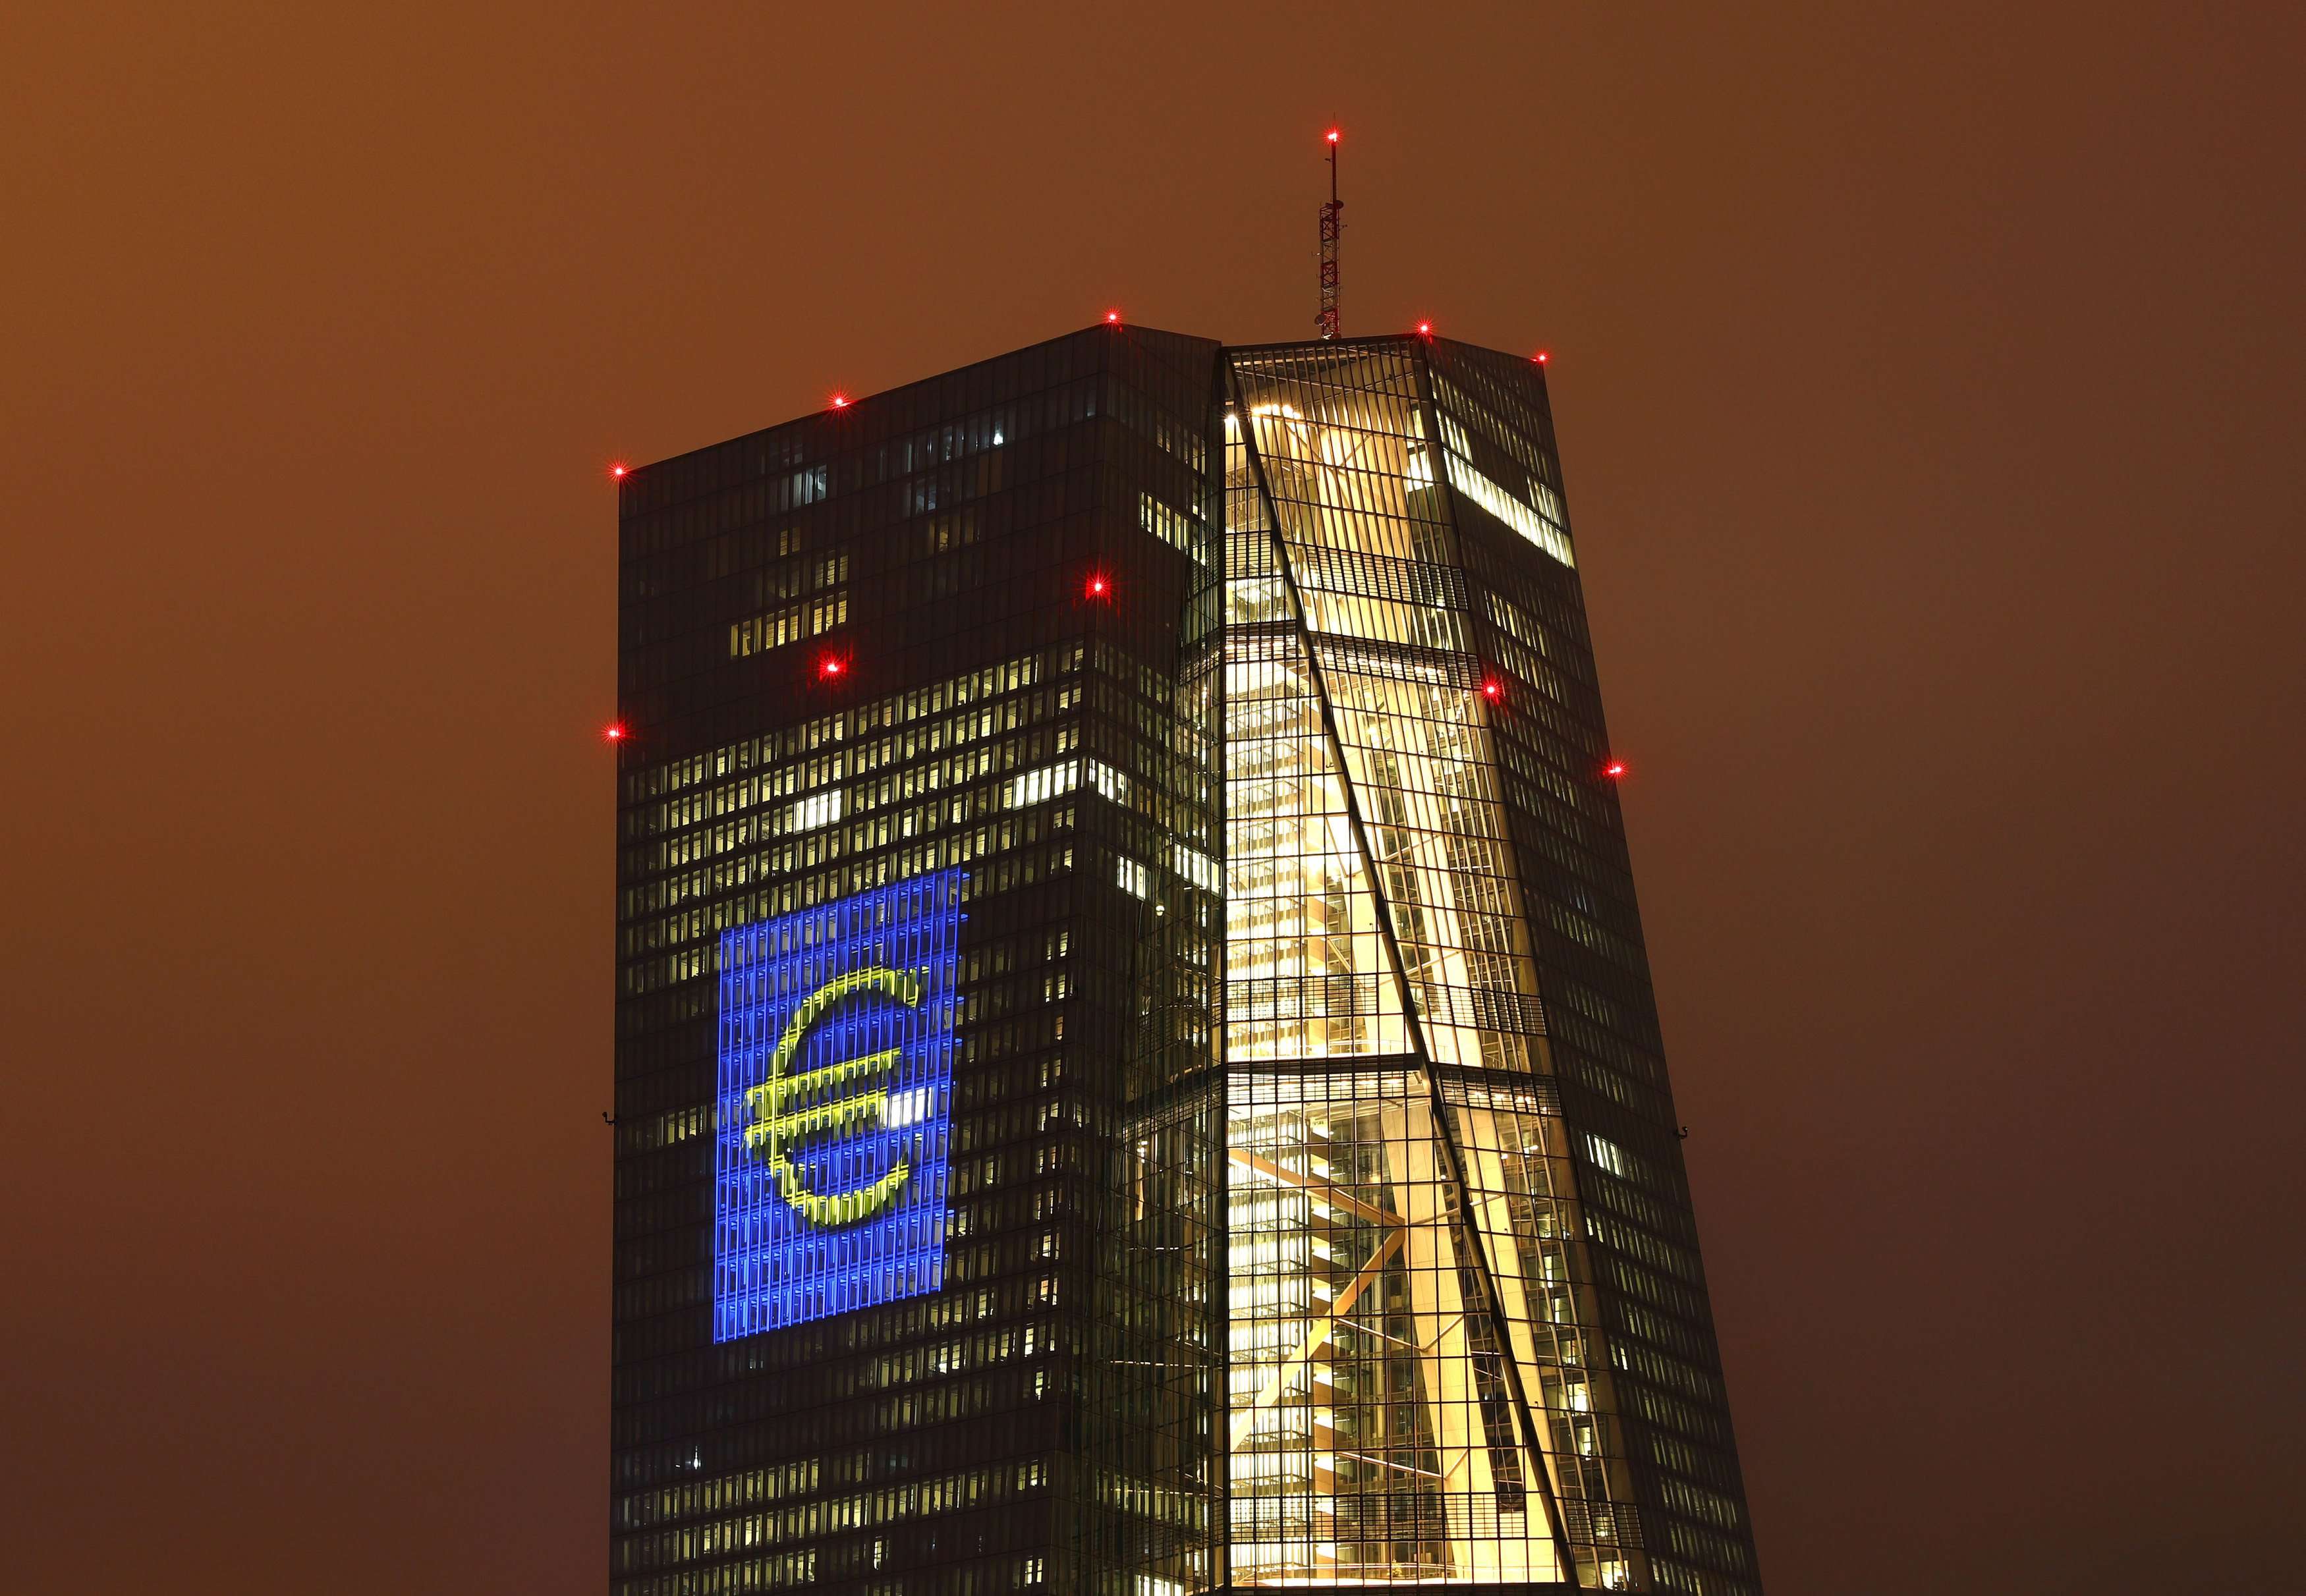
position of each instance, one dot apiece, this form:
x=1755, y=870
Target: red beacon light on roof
x=1425, y=330
x=1614, y=769
x=1540, y=357
x=614, y=732
x=619, y=469
x=841, y=401
x=1113, y=317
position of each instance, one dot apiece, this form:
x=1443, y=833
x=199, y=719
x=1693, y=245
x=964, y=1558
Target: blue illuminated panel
x=836, y=1100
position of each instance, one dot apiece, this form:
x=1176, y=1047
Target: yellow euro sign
x=783, y=1116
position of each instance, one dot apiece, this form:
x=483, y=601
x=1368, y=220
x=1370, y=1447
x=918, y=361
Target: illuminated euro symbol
x=787, y=1109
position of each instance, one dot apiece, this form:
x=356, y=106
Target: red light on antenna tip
x=1333, y=135
x=1614, y=769
x=614, y=732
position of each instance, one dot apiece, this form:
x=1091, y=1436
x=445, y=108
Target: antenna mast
x=1333, y=222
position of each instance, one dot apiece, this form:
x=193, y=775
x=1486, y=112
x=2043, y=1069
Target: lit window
x=1040, y=786
x=1171, y=526
x=819, y=808
x=1196, y=867
x=908, y=1108
x=1109, y=782
x=1522, y=517
x=1055, y=781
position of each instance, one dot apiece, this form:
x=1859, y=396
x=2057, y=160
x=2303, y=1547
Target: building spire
x=1333, y=222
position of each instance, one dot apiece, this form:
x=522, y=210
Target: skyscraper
x=1136, y=1066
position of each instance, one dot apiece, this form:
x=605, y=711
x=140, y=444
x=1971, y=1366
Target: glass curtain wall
x=1671, y=1421
x=1413, y=1396
x=856, y=650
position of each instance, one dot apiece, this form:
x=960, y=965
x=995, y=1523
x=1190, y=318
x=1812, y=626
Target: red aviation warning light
x=1614, y=769
x=614, y=732
x=831, y=667
x=1540, y=357
x=1333, y=135
x=1099, y=586
x=841, y=401
x=1493, y=689
x=619, y=469
x=1113, y=317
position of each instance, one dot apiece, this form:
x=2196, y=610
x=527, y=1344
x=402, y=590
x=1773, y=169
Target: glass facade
x=1136, y=1067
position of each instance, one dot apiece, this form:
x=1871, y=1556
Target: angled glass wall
x=1669, y=1414
x=1413, y=1396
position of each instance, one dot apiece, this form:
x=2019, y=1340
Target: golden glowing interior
x=1409, y=1400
